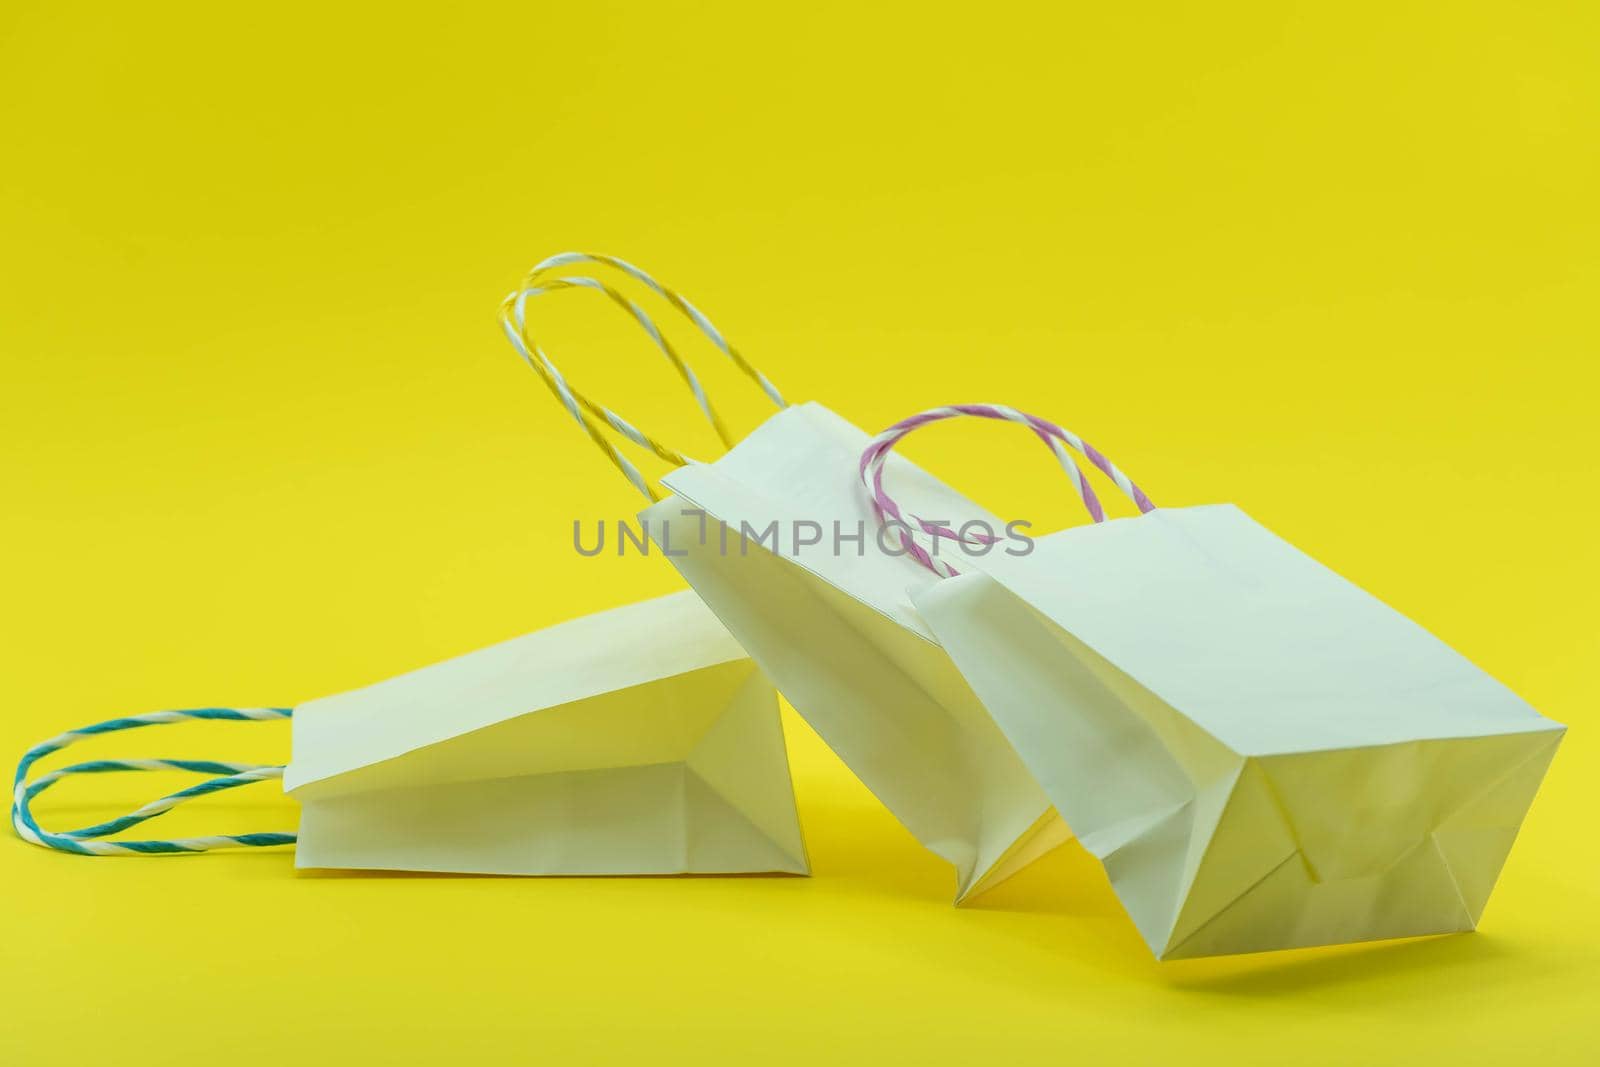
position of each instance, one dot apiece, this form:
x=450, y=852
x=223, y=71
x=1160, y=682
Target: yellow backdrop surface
x=260, y=441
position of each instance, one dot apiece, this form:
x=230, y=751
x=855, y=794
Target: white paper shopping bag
x=778, y=540
x=1261, y=754
x=635, y=741
x=639, y=740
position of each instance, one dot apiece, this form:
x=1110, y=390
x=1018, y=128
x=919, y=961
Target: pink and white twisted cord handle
x=1058, y=438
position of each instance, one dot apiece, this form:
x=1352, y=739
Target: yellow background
x=262, y=442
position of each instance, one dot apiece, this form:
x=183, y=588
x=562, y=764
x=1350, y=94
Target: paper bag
x=1261, y=754
x=830, y=623
x=640, y=740
x=837, y=633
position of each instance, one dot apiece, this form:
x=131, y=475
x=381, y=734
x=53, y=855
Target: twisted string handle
x=563, y=259
x=587, y=413
x=87, y=840
x=1059, y=440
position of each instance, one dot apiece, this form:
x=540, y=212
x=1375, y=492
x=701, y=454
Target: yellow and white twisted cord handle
x=513, y=319
x=514, y=314
x=580, y=407
x=677, y=300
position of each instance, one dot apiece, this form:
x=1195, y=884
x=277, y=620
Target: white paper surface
x=634, y=741
x=838, y=635
x=1261, y=754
